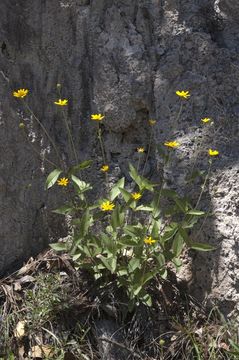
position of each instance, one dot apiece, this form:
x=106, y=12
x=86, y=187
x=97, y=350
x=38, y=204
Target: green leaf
x=82, y=186
x=108, y=244
x=160, y=259
x=185, y=236
x=155, y=229
x=117, y=217
x=142, y=182
x=52, y=178
x=171, y=194
x=134, y=230
x=133, y=264
x=178, y=244
x=85, y=222
x=202, y=246
x=126, y=195
x=115, y=191
x=83, y=165
x=59, y=246
x=146, y=299
x=110, y=263
x=63, y=210
x=189, y=222
x=128, y=241
x=181, y=204
x=169, y=233
x=144, y=208
x=195, y=212
x=177, y=262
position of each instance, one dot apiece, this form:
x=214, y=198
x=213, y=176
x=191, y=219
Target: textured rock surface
x=125, y=59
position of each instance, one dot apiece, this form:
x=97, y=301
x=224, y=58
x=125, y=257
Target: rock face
x=124, y=59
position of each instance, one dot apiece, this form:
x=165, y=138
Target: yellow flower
x=21, y=125
x=136, y=196
x=97, y=117
x=213, y=152
x=171, y=144
x=149, y=241
x=152, y=122
x=61, y=102
x=183, y=94
x=105, y=168
x=206, y=120
x=21, y=93
x=140, y=150
x=63, y=181
x=107, y=206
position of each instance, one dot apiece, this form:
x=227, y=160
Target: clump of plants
x=126, y=236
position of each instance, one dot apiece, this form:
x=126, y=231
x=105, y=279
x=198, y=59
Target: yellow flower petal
x=105, y=168
x=171, y=144
x=152, y=122
x=149, y=241
x=107, y=206
x=97, y=117
x=140, y=150
x=212, y=152
x=136, y=196
x=21, y=93
x=183, y=94
x=206, y=120
x=61, y=102
x=63, y=181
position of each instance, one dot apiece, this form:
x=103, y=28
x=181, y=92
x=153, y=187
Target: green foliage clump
x=128, y=236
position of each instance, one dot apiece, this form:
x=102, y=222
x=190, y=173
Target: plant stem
x=138, y=162
x=101, y=144
x=147, y=156
x=43, y=128
x=36, y=151
x=103, y=154
x=70, y=138
x=204, y=184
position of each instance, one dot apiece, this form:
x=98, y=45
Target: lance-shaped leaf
x=52, y=178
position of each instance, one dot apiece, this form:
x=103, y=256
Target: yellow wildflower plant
x=140, y=150
x=107, y=206
x=63, y=181
x=21, y=93
x=61, y=102
x=97, y=117
x=152, y=122
x=136, y=196
x=183, y=94
x=212, y=152
x=104, y=168
x=206, y=120
x=149, y=241
x=171, y=144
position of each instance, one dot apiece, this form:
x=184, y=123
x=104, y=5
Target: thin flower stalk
x=140, y=151
x=148, y=152
x=204, y=183
x=43, y=128
x=36, y=151
x=65, y=119
x=70, y=138
x=103, y=154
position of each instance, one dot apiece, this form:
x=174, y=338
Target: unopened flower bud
x=21, y=125
x=161, y=342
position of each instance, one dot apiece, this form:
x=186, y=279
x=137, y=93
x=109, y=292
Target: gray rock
x=125, y=59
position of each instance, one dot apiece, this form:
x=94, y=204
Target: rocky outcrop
x=124, y=59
